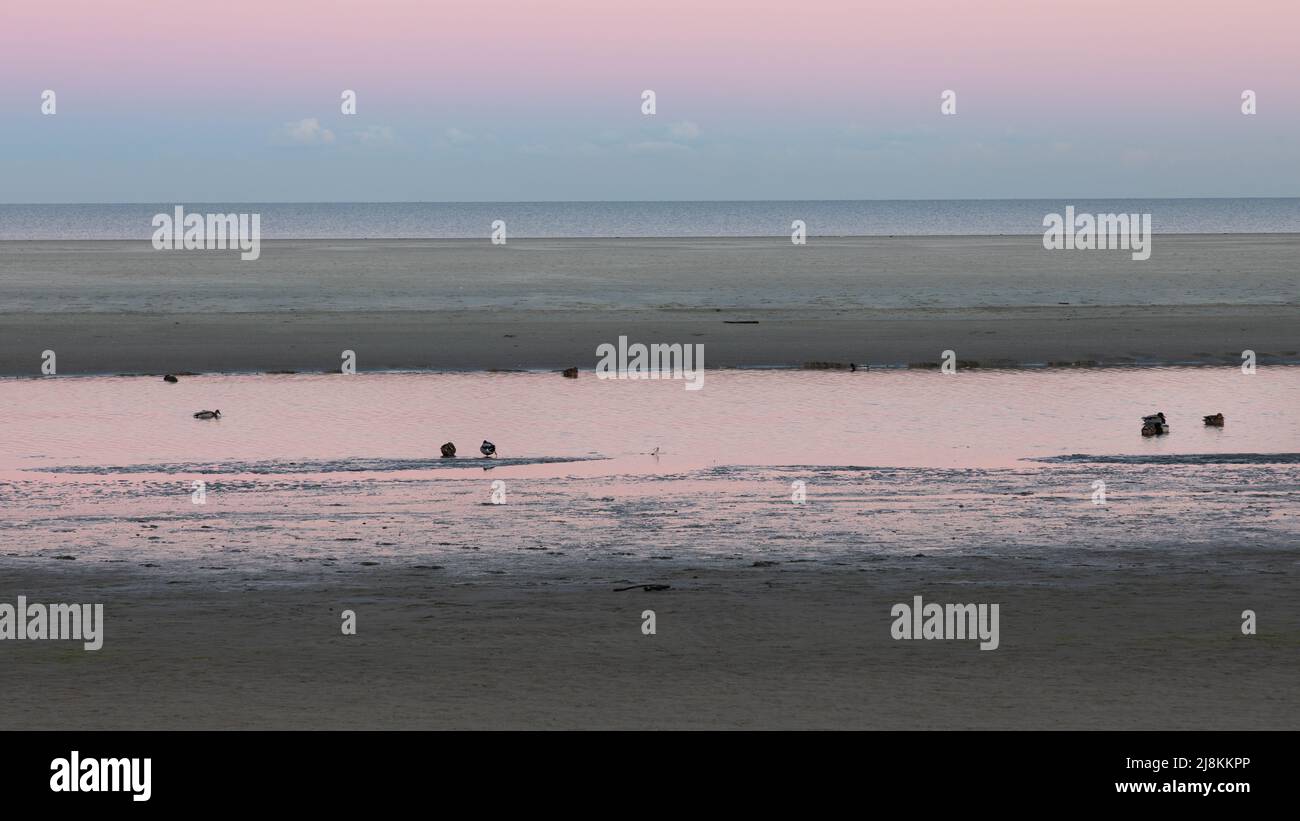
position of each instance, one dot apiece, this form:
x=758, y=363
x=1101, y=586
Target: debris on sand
x=827, y=366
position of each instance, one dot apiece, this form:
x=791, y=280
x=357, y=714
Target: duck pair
x=1155, y=424
x=487, y=449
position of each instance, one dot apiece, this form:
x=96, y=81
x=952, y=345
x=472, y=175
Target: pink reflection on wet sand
x=883, y=418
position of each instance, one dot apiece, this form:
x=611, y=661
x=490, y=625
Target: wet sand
x=1126, y=616
x=410, y=340
x=1137, y=642
x=120, y=307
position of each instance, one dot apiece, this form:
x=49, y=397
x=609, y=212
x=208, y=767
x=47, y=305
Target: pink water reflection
x=883, y=418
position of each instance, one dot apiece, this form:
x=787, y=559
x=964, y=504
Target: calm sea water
x=654, y=219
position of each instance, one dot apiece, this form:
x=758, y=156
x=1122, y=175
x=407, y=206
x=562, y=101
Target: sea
x=444, y=220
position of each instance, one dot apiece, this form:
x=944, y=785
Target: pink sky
x=540, y=99
x=579, y=55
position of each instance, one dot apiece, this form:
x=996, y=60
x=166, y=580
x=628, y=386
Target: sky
x=519, y=100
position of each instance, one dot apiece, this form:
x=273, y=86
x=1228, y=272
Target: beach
x=121, y=307
x=325, y=493
x=1139, y=643
x=767, y=524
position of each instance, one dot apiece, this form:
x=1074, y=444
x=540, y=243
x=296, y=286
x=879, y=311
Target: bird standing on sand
x=449, y=450
x=170, y=378
x=1215, y=420
x=487, y=449
x=208, y=414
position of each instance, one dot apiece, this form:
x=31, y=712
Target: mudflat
x=122, y=307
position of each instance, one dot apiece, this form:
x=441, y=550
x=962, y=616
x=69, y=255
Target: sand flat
x=1142, y=643
x=414, y=340
x=471, y=616
x=121, y=307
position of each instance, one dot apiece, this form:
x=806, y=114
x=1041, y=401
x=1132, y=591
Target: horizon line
x=623, y=201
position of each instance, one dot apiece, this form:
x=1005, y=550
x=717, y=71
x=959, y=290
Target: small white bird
x=208, y=414
x=487, y=449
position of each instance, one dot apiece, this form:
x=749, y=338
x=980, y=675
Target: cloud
x=685, y=130
x=452, y=137
x=377, y=135
x=307, y=131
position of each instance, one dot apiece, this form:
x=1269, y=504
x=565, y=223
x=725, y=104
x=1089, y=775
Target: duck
x=449, y=450
x=487, y=449
x=1154, y=425
x=1214, y=420
x=170, y=378
x=208, y=414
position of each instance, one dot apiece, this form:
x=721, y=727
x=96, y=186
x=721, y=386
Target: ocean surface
x=342, y=471
x=654, y=219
